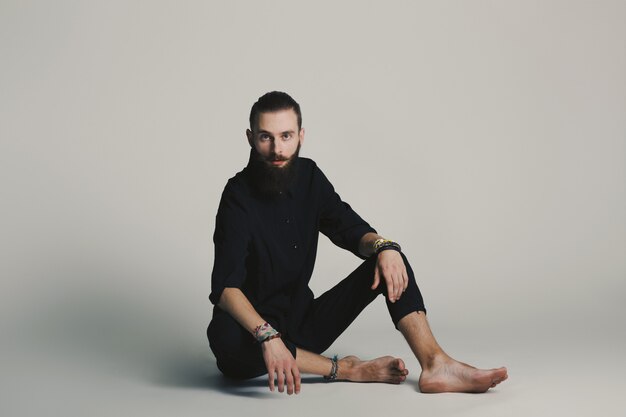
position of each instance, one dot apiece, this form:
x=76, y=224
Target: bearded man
x=266, y=318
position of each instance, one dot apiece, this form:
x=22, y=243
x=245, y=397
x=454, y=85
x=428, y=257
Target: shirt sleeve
x=231, y=239
x=338, y=221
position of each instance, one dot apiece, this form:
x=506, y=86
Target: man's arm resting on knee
x=366, y=244
x=389, y=268
x=277, y=357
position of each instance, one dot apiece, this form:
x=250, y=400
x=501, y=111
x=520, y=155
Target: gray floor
x=56, y=365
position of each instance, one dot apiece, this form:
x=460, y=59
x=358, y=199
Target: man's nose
x=277, y=149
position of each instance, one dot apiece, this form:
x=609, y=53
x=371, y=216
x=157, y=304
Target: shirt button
x=295, y=246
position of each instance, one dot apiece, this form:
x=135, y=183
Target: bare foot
x=449, y=375
x=384, y=369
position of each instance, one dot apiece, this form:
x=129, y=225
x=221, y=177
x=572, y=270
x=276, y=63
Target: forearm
x=235, y=303
x=366, y=244
x=279, y=360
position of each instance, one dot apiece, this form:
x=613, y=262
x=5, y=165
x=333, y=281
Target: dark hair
x=271, y=102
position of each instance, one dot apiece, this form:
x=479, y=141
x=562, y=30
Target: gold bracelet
x=379, y=244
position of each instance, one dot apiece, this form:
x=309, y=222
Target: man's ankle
x=433, y=359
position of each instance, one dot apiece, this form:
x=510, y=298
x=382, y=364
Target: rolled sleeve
x=339, y=222
x=231, y=239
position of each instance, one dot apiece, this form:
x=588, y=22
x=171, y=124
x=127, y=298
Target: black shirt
x=267, y=247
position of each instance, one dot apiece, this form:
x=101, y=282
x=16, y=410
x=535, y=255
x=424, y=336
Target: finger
x=400, y=284
x=289, y=381
x=376, y=278
x=270, y=377
x=390, y=290
x=281, y=380
x=405, y=276
x=296, y=374
x=397, y=286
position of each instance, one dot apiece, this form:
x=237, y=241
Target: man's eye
x=286, y=136
x=264, y=137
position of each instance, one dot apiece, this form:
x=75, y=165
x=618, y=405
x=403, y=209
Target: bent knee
x=226, y=335
x=236, y=353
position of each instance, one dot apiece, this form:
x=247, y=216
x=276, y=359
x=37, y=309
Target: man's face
x=276, y=138
x=275, y=144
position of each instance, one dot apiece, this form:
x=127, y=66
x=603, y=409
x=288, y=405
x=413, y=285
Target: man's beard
x=268, y=180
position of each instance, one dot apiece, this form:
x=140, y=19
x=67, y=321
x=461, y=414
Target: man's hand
x=281, y=362
x=389, y=263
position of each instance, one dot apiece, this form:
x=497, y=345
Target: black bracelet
x=389, y=245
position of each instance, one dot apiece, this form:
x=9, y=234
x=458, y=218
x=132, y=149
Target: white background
x=487, y=137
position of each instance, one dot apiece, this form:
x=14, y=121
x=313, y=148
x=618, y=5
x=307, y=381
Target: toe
x=398, y=364
x=398, y=379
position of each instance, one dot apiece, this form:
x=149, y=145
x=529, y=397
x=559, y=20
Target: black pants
x=330, y=315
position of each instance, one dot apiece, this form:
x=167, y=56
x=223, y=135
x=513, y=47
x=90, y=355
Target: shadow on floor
x=106, y=330
x=202, y=373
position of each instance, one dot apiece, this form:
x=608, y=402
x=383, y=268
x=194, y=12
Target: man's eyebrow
x=270, y=133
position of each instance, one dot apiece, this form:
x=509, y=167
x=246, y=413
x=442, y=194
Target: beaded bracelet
x=264, y=332
x=384, y=244
x=333, y=370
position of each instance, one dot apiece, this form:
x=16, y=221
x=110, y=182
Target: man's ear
x=250, y=137
x=301, y=136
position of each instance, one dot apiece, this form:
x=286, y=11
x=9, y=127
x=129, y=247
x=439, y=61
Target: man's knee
x=226, y=335
x=407, y=265
x=236, y=353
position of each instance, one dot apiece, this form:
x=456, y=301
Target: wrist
x=265, y=332
x=380, y=245
x=271, y=341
